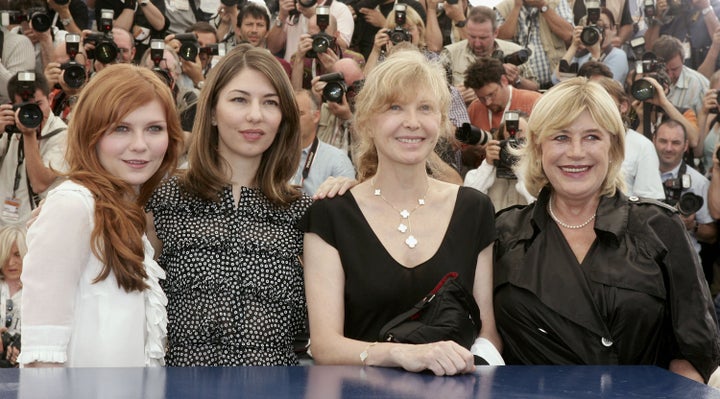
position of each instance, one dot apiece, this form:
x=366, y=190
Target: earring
x=213, y=122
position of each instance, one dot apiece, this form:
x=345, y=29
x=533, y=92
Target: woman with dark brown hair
x=91, y=287
x=227, y=228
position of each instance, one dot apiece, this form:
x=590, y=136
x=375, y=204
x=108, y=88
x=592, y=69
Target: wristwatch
x=461, y=24
x=66, y=21
x=143, y=3
x=278, y=22
x=543, y=9
x=707, y=10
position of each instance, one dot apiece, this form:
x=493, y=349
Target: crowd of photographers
x=658, y=58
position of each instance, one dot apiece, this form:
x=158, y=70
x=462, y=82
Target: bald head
x=350, y=69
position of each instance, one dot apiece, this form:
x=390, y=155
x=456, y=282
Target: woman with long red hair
x=91, y=287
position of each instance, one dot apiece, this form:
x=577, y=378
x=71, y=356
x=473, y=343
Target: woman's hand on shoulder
x=442, y=358
x=333, y=186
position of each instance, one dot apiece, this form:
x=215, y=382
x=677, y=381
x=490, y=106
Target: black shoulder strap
x=2, y=41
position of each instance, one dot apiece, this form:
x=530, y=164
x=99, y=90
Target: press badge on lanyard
x=11, y=209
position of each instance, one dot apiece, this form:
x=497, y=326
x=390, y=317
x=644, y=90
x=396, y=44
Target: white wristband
x=707, y=10
x=486, y=350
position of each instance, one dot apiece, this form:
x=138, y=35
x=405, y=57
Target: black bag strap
x=2, y=41
x=33, y=196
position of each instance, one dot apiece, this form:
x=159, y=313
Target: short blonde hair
x=9, y=235
x=556, y=110
x=396, y=79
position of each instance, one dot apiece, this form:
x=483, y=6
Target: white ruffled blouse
x=66, y=317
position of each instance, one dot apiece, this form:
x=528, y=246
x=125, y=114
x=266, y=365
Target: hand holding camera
x=710, y=102
x=7, y=116
x=492, y=152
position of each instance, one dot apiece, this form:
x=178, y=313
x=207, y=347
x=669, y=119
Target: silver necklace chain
x=565, y=225
x=404, y=225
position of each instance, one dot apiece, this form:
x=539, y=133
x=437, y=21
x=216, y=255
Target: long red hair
x=112, y=94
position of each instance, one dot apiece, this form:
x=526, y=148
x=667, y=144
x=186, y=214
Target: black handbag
x=448, y=312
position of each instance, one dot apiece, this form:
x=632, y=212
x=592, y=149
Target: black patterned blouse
x=234, y=281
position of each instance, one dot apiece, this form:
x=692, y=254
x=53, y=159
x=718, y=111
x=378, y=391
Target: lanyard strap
x=310, y=159
x=507, y=108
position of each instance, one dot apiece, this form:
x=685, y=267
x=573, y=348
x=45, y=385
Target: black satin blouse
x=639, y=296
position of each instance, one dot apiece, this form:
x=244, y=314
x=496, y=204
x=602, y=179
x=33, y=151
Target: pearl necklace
x=404, y=226
x=565, y=225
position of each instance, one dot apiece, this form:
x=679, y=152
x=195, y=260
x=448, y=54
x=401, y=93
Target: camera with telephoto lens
x=157, y=53
x=591, y=33
x=321, y=42
x=400, y=34
x=38, y=18
x=74, y=75
x=686, y=203
x=189, y=46
x=504, y=165
x=335, y=88
x=649, y=8
x=30, y=115
x=652, y=67
x=517, y=58
x=105, y=49
x=472, y=135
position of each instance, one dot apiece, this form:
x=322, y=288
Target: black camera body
x=75, y=74
x=504, y=165
x=31, y=116
x=472, y=135
x=638, y=47
x=400, y=34
x=105, y=49
x=189, y=46
x=322, y=41
x=650, y=66
x=591, y=33
x=335, y=88
x=685, y=202
x=38, y=18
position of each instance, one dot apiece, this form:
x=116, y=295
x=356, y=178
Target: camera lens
x=188, y=51
x=642, y=90
x=106, y=52
x=333, y=92
x=30, y=115
x=320, y=44
x=41, y=22
x=74, y=75
x=399, y=35
x=689, y=203
x=590, y=35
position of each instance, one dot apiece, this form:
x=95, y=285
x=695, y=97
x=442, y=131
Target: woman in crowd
x=91, y=291
x=361, y=268
x=12, y=251
x=384, y=38
x=638, y=295
x=227, y=227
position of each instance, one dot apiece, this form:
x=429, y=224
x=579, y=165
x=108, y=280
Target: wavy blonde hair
x=556, y=110
x=397, y=79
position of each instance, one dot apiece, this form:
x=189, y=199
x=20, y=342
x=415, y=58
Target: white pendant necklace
x=404, y=225
x=565, y=225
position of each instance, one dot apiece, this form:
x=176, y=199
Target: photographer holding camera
x=66, y=75
x=292, y=21
x=403, y=24
x=481, y=30
x=593, y=41
x=318, y=50
x=144, y=19
x=32, y=155
x=336, y=113
x=16, y=51
x=692, y=22
x=685, y=187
